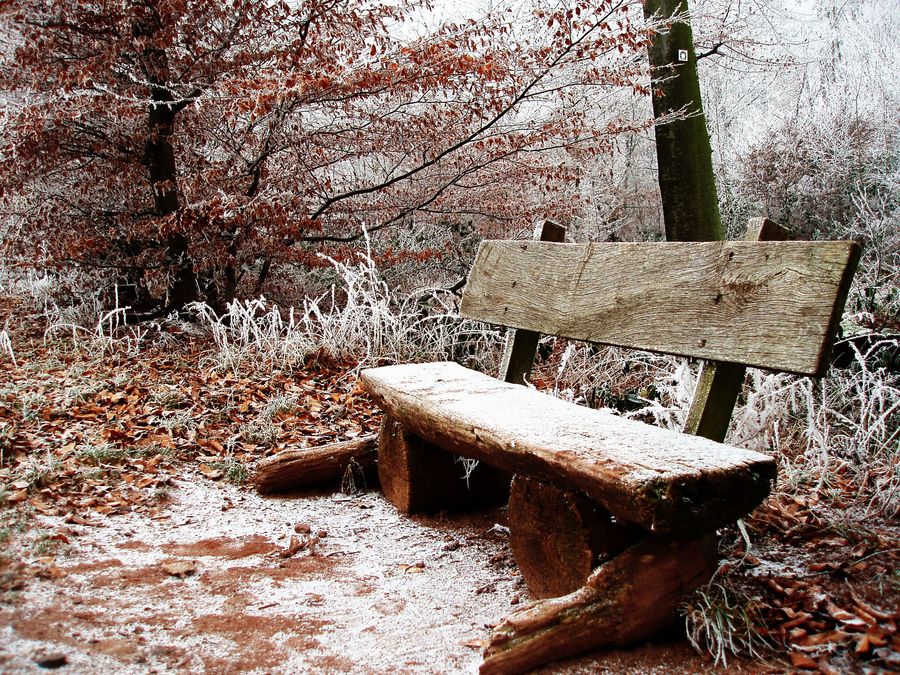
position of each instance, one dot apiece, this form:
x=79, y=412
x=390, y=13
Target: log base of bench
x=418, y=476
x=627, y=599
x=559, y=536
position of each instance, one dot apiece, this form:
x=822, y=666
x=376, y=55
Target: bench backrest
x=768, y=304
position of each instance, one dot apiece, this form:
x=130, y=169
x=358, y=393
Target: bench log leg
x=559, y=536
x=627, y=599
x=418, y=476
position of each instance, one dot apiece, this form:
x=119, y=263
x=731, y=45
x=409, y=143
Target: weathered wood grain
x=766, y=304
x=720, y=383
x=558, y=536
x=521, y=345
x=416, y=476
x=664, y=481
x=304, y=467
x=629, y=598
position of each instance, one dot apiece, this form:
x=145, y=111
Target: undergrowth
x=6, y=346
x=361, y=321
x=721, y=621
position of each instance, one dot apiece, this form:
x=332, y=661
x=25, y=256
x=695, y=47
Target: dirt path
x=201, y=587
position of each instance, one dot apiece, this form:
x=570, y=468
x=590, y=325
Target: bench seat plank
x=667, y=482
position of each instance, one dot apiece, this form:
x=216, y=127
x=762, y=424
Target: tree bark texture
x=629, y=598
x=308, y=467
x=418, y=476
x=683, y=153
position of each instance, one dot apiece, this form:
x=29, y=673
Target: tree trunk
x=683, y=153
x=163, y=175
x=162, y=171
x=631, y=597
x=307, y=467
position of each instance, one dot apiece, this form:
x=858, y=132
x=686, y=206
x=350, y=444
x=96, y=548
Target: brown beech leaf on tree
x=180, y=141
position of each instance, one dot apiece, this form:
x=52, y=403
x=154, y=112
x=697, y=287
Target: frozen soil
x=202, y=587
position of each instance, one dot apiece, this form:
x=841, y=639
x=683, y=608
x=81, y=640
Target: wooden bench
x=615, y=515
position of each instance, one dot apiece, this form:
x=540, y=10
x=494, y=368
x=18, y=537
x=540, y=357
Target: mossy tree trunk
x=683, y=152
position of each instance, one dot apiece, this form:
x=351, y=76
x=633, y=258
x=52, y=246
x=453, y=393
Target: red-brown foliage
x=182, y=144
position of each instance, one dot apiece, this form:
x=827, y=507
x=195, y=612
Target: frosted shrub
x=373, y=325
x=6, y=346
x=254, y=333
x=103, y=332
x=676, y=381
x=359, y=320
x=770, y=401
x=659, y=386
x=853, y=420
x=721, y=621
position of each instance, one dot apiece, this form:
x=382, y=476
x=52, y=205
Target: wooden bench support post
x=717, y=390
x=521, y=345
x=559, y=536
x=720, y=383
x=418, y=476
x=627, y=599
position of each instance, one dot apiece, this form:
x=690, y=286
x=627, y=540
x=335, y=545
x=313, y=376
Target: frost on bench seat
x=667, y=482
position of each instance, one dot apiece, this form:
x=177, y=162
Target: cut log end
x=559, y=536
x=418, y=476
x=307, y=467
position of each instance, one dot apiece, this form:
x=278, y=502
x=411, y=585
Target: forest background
x=311, y=180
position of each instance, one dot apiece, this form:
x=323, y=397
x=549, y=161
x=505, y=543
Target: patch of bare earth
x=203, y=588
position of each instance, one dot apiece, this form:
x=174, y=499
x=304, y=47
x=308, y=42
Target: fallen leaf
x=863, y=645
x=891, y=657
x=50, y=572
x=211, y=472
x=876, y=636
x=799, y=660
x=73, y=519
x=17, y=496
x=296, y=544
x=799, y=619
x=180, y=568
x=845, y=617
x=823, y=638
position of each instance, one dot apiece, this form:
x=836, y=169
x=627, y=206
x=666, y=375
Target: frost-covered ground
x=202, y=587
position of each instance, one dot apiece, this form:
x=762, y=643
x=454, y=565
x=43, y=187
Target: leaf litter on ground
x=122, y=476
